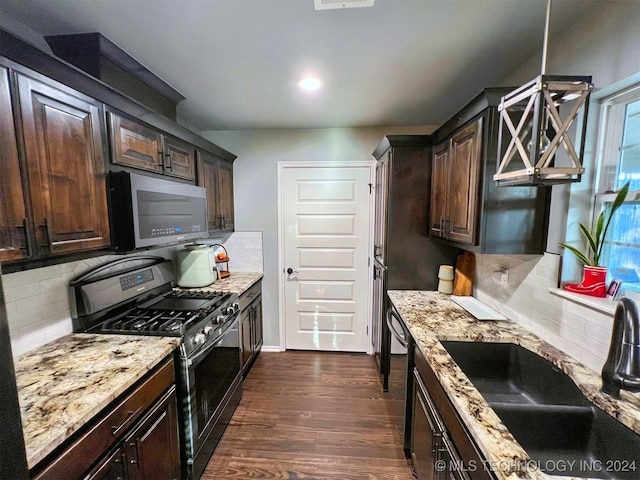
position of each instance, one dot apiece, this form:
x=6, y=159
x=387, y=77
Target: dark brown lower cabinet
x=134, y=438
x=251, y=325
x=149, y=452
x=441, y=448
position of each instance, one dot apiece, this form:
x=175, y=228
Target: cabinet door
x=463, y=184
x=439, y=189
x=152, y=449
x=13, y=216
x=216, y=175
x=207, y=178
x=135, y=145
x=245, y=322
x=179, y=159
x=381, y=199
x=111, y=468
x=225, y=192
x=64, y=149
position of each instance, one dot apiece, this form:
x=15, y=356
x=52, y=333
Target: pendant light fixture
x=537, y=125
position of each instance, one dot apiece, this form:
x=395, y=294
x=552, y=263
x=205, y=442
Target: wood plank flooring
x=311, y=415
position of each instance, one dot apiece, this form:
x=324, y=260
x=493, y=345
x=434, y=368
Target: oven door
x=212, y=374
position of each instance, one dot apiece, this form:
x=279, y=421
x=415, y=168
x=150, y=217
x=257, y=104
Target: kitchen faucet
x=621, y=370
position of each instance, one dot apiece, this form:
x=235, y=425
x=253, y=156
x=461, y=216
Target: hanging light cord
x=546, y=38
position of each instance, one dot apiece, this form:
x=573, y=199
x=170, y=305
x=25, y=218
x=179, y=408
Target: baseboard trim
x=271, y=348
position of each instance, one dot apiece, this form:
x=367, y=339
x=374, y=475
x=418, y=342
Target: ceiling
x=398, y=63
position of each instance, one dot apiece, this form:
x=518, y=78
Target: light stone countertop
x=431, y=317
x=65, y=383
x=237, y=282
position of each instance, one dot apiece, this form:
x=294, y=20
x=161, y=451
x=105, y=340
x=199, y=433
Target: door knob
x=291, y=270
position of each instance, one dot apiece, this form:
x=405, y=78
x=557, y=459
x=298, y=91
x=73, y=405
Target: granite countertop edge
x=66, y=383
x=432, y=317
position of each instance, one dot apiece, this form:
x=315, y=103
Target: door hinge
x=367, y=330
x=370, y=188
x=368, y=261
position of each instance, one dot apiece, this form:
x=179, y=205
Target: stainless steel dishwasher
x=399, y=369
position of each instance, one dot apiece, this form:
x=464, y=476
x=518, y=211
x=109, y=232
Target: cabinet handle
x=161, y=158
x=442, y=226
x=27, y=237
x=167, y=162
x=131, y=414
x=47, y=233
x=447, y=226
x=134, y=455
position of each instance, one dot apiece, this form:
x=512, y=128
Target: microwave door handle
x=400, y=338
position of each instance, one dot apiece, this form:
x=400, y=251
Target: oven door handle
x=401, y=338
x=205, y=349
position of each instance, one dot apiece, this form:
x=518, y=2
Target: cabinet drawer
x=249, y=296
x=77, y=457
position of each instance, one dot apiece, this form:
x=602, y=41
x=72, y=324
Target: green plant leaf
x=595, y=238
x=593, y=242
x=578, y=254
x=597, y=232
x=617, y=203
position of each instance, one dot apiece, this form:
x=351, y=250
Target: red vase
x=593, y=282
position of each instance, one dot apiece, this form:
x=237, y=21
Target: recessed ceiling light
x=310, y=84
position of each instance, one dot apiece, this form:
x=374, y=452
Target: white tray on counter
x=478, y=309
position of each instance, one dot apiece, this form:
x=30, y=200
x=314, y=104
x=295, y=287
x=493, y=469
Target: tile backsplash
x=580, y=332
x=38, y=304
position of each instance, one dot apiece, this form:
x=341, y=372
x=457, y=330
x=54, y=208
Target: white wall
x=255, y=184
x=605, y=45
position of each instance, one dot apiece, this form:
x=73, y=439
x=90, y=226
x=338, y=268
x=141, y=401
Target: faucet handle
x=621, y=369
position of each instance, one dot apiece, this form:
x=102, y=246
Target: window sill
x=602, y=305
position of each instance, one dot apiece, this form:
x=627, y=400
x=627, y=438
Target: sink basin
x=548, y=415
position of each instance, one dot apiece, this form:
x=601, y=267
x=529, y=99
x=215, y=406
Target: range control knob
x=219, y=319
x=228, y=310
x=199, y=339
x=208, y=329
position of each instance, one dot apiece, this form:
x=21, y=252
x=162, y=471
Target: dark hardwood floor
x=311, y=415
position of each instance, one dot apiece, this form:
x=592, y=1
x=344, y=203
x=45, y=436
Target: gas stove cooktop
x=172, y=314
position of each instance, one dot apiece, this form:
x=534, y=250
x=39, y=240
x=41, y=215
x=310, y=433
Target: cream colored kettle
x=196, y=266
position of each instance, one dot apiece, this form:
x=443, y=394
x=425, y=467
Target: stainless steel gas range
x=135, y=296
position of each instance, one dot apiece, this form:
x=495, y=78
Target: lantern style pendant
x=535, y=135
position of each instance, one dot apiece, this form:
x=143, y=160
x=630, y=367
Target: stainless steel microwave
x=148, y=211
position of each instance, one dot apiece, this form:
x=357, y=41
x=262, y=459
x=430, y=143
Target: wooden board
x=463, y=279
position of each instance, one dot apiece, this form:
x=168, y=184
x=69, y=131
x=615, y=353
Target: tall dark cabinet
x=405, y=257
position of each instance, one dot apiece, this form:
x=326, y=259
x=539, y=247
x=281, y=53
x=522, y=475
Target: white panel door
x=325, y=232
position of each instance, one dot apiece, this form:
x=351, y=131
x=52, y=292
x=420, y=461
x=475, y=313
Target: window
x=620, y=163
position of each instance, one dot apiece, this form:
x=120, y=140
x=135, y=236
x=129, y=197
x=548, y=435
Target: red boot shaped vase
x=595, y=276
x=593, y=282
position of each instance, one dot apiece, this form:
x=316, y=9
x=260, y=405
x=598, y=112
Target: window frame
x=611, y=123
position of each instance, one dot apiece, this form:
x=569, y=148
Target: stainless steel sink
x=548, y=415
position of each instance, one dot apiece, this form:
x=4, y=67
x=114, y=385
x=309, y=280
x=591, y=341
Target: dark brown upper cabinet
x=13, y=213
x=136, y=145
x=63, y=145
x=454, y=200
x=216, y=175
x=467, y=209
